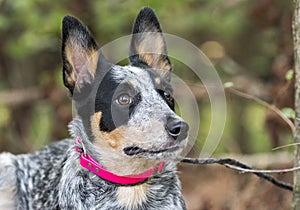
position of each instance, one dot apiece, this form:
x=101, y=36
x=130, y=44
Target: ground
x=216, y=187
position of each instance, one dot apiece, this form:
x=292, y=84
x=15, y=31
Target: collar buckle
x=80, y=149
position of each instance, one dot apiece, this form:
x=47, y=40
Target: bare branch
x=265, y=104
x=237, y=165
x=244, y=170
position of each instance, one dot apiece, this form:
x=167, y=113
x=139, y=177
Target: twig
x=243, y=168
x=286, y=145
x=269, y=106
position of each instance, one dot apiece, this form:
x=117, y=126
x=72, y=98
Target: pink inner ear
x=79, y=60
x=82, y=71
x=151, y=49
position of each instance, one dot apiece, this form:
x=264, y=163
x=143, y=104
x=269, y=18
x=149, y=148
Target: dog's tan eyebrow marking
x=157, y=80
x=132, y=84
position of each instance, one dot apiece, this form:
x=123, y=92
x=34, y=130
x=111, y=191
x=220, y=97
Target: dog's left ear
x=148, y=45
x=79, y=54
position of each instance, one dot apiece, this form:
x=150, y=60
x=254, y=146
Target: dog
x=125, y=136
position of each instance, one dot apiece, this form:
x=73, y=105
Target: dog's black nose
x=177, y=129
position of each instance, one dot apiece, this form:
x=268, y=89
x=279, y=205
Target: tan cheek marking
x=95, y=122
x=114, y=138
x=131, y=197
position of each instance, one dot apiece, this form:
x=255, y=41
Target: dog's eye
x=124, y=99
x=168, y=95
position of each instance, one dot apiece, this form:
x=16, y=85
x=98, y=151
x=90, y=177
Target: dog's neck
x=128, y=196
x=113, y=162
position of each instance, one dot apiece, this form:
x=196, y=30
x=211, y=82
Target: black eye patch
x=162, y=87
x=114, y=113
x=136, y=100
x=168, y=98
x=103, y=102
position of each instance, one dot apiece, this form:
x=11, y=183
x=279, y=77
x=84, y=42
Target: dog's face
x=127, y=110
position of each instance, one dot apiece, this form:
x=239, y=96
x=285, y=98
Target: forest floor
x=215, y=187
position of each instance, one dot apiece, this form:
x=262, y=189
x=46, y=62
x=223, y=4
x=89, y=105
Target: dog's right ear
x=148, y=44
x=79, y=54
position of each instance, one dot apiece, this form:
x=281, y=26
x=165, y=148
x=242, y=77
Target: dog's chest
x=90, y=193
x=132, y=197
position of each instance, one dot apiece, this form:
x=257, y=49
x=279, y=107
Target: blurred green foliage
x=252, y=35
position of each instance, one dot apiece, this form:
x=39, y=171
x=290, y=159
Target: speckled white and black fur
x=125, y=139
x=52, y=179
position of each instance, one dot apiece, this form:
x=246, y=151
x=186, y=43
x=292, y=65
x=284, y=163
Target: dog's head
x=127, y=110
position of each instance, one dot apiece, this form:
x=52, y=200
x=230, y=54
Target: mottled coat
x=53, y=179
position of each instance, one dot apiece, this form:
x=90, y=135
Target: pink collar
x=90, y=164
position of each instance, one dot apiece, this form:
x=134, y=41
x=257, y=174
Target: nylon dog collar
x=86, y=161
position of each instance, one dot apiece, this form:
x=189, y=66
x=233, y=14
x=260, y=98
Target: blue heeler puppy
x=124, y=139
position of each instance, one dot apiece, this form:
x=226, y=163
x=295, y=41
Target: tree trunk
x=296, y=35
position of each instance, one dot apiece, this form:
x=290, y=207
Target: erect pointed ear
x=79, y=54
x=148, y=45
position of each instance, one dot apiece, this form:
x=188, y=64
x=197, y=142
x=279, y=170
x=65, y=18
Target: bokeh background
x=248, y=41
